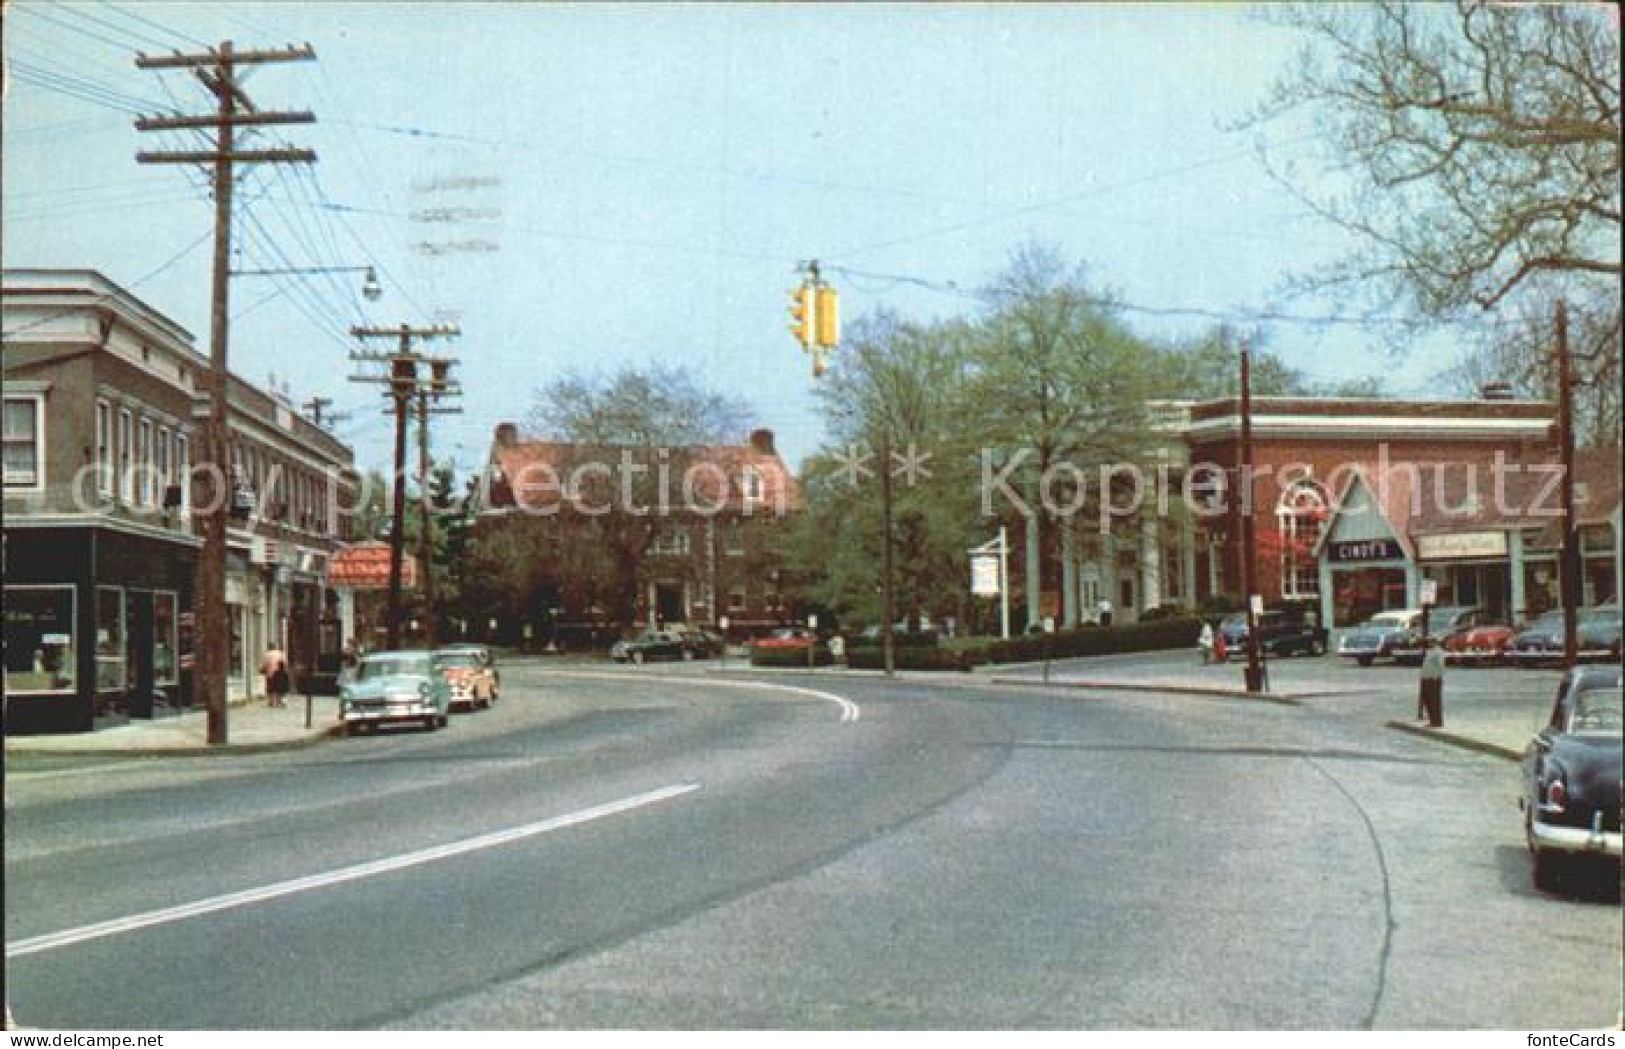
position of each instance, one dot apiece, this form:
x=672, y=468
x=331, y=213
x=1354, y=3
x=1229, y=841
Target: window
x=143, y=459
x=40, y=654
x=104, y=448
x=165, y=477
x=126, y=477
x=733, y=539
x=109, y=639
x=1300, y=517
x=750, y=484
x=672, y=541
x=183, y=471
x=736, y=599
x=23, y=440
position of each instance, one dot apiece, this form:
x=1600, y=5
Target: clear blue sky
x=661, y=169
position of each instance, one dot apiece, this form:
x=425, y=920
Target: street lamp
x=369, y=284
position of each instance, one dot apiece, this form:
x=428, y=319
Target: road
x=664, y=849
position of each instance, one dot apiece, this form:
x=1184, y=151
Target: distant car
x=1281, y=632
x=1480, y=645
x=471, y=679
x=483, y=654
x=1376, y=637
x=790, y=645
x=392, y=687
x=701, y=642
x=1597, y=631
x=1571, y=773
x=787, y=637
x=651, y=644
x=1443, y=621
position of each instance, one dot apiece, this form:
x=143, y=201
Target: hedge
x=1097, y=641
x=789, y=657
x=914, y=657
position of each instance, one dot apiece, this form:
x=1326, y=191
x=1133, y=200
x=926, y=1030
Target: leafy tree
x=1474, y=151
x=1206, y=368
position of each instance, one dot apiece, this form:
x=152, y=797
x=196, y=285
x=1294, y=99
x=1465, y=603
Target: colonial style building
x=613, y=534
x=104, y=399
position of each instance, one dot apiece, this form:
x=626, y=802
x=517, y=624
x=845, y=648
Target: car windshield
x=460, y=660
x=1597, y=710
x=389, y=666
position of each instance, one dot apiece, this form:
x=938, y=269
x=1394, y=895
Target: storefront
x=1365, y=566
x=94, y=626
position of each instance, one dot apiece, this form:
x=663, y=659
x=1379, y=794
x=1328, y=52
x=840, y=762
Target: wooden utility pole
x=888, y=605
x=1249, y=566
x=404, y=381
x=428, y=396
x=218, y=71
x=1569, y=568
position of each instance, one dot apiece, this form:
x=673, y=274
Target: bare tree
x=1474, y=150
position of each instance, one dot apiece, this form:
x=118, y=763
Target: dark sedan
x=651, y=644
x=1597, y=632
x=1572, y=772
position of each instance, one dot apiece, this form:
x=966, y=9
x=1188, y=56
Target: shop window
x=109, y=639
x=165, y=639
x=24, y=436
x=1300, y=517
x=39, y=639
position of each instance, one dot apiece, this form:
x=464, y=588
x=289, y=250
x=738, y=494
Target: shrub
x=1136, y=637
x=873, y=657
x=789, y=657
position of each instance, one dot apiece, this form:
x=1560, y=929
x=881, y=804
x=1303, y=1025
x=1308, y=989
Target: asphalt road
x=649, y=850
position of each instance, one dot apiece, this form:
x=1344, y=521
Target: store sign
x=1365, y=550
x=984, y=575
x=365, y=566
x=1461, y=544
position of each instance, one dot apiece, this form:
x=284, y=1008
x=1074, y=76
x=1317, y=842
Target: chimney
x=761, y=440
x=1497, y=391
x=507, y=435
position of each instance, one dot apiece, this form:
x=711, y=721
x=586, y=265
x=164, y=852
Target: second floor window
x=126, y=456
x=143, y=461
x=104, y=448
x=750, y=484
x=672, y=542
x=23, y=437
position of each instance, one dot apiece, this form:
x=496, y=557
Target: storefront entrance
x=1360, y=593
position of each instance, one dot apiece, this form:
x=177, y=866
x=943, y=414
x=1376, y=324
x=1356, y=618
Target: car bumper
x=1574, y=839
x=389, y=712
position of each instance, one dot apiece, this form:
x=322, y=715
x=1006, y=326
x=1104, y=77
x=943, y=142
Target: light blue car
x=392, y=687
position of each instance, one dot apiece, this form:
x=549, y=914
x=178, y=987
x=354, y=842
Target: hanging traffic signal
x=801, y=315
x=829, y=317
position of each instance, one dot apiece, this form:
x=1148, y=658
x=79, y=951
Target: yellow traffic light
x=829, y=317
x=801, y=315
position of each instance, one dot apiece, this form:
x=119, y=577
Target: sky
x=582, y=187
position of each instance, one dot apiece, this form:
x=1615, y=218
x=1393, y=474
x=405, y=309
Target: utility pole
x=1249, y=566
x=403, y=381
x=428, y=396
x=888, y=612
x=218, y=70
x=1569, y=568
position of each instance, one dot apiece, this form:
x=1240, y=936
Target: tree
x=659, y=405
x=1474, y=152
x=1206, y=369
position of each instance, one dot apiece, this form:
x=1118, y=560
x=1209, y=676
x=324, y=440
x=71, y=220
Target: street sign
x=723, y=622
x=1257, y=603
x=812, y=622
x=984, y=575
x=1428, y=594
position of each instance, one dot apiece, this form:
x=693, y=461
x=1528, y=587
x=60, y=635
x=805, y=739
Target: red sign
x=365, y=566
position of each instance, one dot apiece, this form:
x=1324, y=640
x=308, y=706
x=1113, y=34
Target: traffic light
x=801, y=315
x=829, y=317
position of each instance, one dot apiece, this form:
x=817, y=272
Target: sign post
x=990, y=576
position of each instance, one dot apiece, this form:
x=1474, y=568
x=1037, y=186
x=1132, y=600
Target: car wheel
x=443, y=720
x=431, y=723
x=1364, y=661
x=637, y=657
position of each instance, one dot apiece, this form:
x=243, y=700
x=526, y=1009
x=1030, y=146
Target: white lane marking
x=67, y=937
x=850, y=711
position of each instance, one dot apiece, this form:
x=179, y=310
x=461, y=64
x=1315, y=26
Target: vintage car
x=701, y=642
x=1443, y=621
x=1480, y=645
x=393, y=687
x=790, y=646
x=651, y=644
x=471, y=679
x=1375, y=638
x=483, y=654
x=1597, y=632
x=1571, y=773
x=1281, y=632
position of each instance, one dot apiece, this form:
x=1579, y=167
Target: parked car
x=789, y=646
x=651, y=644
x=483, y=654
x=1281, y=632
x=701, y=642
x=1480, y=645
x=1571, y=773
x=1375, y=638
x=471, y=680
x=395, y=686
x=1443, y=621
x=1597, y=630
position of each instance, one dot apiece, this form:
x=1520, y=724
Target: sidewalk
x=251, y=728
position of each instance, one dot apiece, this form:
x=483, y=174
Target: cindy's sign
x=1365, y=550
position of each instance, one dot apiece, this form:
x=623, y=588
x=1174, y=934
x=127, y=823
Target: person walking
x=1220, y=651
x=1105, y=609
x=274, y=666
x=1204, y=643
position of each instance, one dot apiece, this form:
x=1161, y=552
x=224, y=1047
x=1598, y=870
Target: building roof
x=1343, y=418
x=535, y=474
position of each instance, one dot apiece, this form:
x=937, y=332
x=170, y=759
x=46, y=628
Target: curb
x=1454, y=740
x=1293, y=699
x=299, y=743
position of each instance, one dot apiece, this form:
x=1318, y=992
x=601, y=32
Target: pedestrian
x=1221, y=651
x=274, y=666
x=1105, y=611
x=1204, y=643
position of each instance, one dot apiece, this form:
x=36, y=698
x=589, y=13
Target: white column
x=1150, y=564
x=1187, y=560
x=1518, y=599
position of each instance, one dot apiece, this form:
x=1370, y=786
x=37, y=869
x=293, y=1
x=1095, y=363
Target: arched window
x=1300, y=517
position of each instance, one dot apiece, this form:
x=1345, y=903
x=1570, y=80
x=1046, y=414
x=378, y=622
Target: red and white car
x=471, y=679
